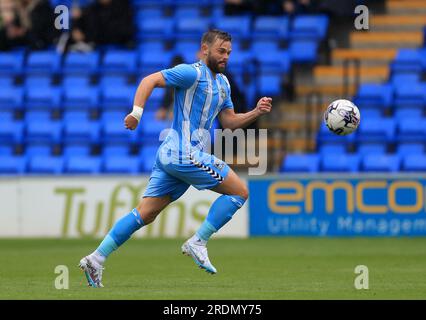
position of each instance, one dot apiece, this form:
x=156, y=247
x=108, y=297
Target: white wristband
x=137, y=112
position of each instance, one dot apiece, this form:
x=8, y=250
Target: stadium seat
x=37, y=149
x=188, y=50
x=186, y=10
x=238, y=26
x=339, y=163
x=273, y=28
x=37, y=115
x=115, y=97
x=74, y=150
x=12, y=165
x=410, y=96
x=43, y=62
x=80, y=132
x=190, y=28
x=374, y=96
x=303, y=51
x=114, y=132
x=121, y=164
x=403, y=78
x=311, y=27
x=371, y=149
x=77, y=63
x=407, y=61
x=414, y=163
x=270, y=84
x=380, y=163
x=37, y=81
x=115, y=149
x=7, y=150
x=11, y=99
x=411, y=130
x=7, y=81
x=372, y=131
x=11, y=64
x=119, y=62
x=48, y=132
x=155, y=27
x=80, y=98
x=83, y=165
x=45, y=165
x=43, y=98
x=11, y=132
x=407, y=113
x=300, y=163
x=151, y=128
x=76, y=81
x=407, y=148
x=332, y=148
x=152, y=61
x=259, y=47
x=241, y=62
x=325, y=136
x=148, y=155
x=274, y=62
x=147, y=13
x=114, y=80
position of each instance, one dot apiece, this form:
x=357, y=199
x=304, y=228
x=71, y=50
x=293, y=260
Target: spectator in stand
x=27, y=23
x=103, y=22
x=238, y=7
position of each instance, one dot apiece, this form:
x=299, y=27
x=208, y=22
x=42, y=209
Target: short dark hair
x=210, y=36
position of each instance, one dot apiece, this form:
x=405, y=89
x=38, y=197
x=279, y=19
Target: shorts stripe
x=205, y=168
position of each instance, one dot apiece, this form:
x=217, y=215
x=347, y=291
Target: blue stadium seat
x=80, y=132
x=114, y=80
x=81, y=63
x=79, y=115
x=372, y=114
x=371, y=131
x=303, y=51
x=183, y=11
x=340, y=163
x=115, y=132
x=406, y=148
x=380, y=163
x=300, y=163
x=7, y=150
x=407, y=61
x=332, y=148
x=115, y=150
x=80, y=98
x=313, y=27
x=325, y=136
x=410, y=96
x=37, y=115
x=151, y=128
x=374, y=96
x=147, y=155
x=411, y=130
x=147, y=13
x=37, y=149
x=371, y=149
x=238, y=26
x=45, y=165
x=157, y=45
x=152, y=61
x=154, y=28
x=267, y=27
x=7, y=81
x=83, y=165
x=240, y=61
x=37, y=81
x=12, y=165
x=404, y=78
x=11, y=98
x=11, y=64
x=121, y=164
x=274, y=62
x=11, y=132
x=401, y=114
x=270, y=84
x=43, y=98
x=43, y=62
x=414, y=163
x=74, y=150
x=117, y=97
x=119, y=62
x=191, y=28
x=188, y=50
x=156, y=98
x=76, y=81
x=49, y=132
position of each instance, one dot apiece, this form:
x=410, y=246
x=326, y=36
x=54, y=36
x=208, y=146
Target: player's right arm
x=182, y=76
x=154, y=80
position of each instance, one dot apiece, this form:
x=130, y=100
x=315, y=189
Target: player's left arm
x=231, y=120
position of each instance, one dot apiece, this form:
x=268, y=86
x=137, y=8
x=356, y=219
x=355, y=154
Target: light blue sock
x=219, y=214
x=120, y=232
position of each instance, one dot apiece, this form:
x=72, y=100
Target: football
x=342, y=117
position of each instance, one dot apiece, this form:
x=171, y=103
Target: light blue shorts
x=202, y=170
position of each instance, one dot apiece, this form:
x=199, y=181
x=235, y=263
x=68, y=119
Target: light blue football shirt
x=198, y=99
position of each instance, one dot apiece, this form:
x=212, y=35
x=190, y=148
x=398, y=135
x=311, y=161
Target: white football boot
x=93, y=271
x=198, y=252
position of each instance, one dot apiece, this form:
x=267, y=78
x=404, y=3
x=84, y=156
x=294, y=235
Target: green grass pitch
x=256, y=268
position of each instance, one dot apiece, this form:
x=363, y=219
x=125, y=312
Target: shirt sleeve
x=227, y=104
x=182, y=76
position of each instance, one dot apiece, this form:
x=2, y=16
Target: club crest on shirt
x=222, y=93
x=219, y=165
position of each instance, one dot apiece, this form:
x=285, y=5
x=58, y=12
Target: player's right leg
x=146, y=211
